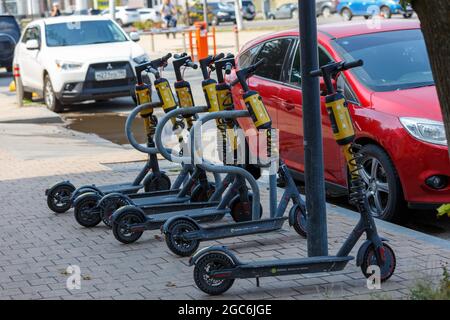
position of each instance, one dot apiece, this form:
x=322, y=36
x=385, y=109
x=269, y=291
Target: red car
x=392, y=100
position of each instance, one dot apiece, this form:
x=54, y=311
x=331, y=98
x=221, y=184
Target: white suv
x=124, y=16
x=77, y=58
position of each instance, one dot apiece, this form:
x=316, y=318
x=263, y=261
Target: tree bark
x=434, y=16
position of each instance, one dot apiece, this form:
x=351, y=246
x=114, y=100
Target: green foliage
x=147, y=25
x=425, y=290
x=404, y=3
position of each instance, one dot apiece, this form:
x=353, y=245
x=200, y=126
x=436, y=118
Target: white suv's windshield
x=393, y=60
x=82, y=33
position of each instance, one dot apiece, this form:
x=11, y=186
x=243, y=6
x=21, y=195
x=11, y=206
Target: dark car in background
x=285, y=11
x=9, y=36
x=248, y=10
x=326, y=8
x=218, y=12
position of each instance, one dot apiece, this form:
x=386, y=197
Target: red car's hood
x=418, y=102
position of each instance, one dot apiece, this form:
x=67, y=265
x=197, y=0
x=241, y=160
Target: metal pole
x=205, y=12
x=312, y=127
x=112, y=9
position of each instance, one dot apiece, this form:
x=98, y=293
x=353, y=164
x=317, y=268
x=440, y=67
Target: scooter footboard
x=230, y=230
x=199, y=215
x=288, y=267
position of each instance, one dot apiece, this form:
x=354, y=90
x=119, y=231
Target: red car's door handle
x=288, y=105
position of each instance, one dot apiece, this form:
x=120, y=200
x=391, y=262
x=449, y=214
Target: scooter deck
x=199, y=214
x=236, y=229
x=121, y=188
x=142, y=195
x=291, y=266
x=161, y=199
x=177, y=208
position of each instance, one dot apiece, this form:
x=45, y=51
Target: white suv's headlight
x=68, y=65
x=425, y=130
x=142, y=58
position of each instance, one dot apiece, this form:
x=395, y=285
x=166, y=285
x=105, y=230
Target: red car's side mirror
x=323, y=88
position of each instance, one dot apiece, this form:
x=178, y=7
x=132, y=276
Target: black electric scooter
x=216, y=267
x=90, y=208
x=129, y=222
x=62, y=195
x=183, y=235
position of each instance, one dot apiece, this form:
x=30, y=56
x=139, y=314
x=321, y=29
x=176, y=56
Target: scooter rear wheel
x=161, y=183
x=240, y=212
x=206, y=264
x=201, y=194
x=58, y=199
x=121, y=226
x=86, y=211
x=183, y=248
x=388, y=267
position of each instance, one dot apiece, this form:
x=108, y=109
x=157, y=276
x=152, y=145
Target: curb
x=442, y=243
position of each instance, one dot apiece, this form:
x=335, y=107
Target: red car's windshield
x=393, y=60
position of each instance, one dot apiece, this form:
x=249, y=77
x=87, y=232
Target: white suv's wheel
x=50, y=99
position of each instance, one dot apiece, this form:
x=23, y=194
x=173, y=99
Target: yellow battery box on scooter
x=184, y=94
x=257, y=110
x=224, y=97
x=209, y=89
x=341, y=121
x=165, y=95
x=143, y=94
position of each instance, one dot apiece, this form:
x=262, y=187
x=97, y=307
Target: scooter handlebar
x=336, y=67
x=248, y=72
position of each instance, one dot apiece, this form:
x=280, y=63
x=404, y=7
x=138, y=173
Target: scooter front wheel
x=58, y=199
x=179, y=246
x=122, y=224
x=300, y=221
x=160, y=183
x=208, y=263
x=86, y=211
x=110, y=207
x=386, y=269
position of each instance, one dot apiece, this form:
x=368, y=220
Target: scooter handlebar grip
x=316, y=73
x=228, y=68
x=352, y=64
x=179, y=56
x=192, y=65
x=219, y=56
x=166, y=57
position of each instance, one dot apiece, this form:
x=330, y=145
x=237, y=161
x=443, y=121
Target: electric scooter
x=183, y=235
x=90, y=208
x=129, y=222
x=216, y=267
x=62, y=195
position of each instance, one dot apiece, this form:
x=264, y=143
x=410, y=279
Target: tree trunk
x=434, y=16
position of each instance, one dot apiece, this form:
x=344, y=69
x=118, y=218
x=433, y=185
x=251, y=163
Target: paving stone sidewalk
x=36, y=246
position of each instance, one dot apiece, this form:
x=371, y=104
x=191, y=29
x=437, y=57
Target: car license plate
x=110, y=75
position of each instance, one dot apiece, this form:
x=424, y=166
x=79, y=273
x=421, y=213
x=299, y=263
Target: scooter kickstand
x=257, y=282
